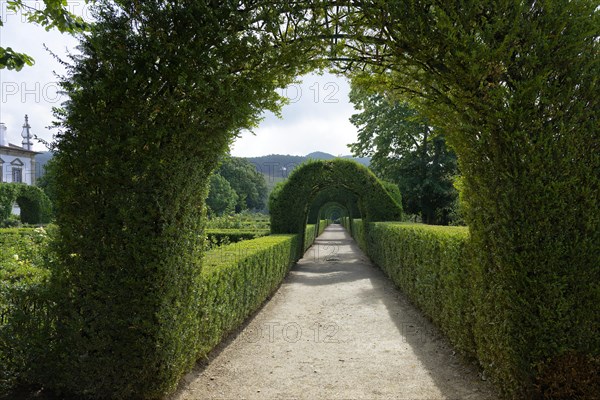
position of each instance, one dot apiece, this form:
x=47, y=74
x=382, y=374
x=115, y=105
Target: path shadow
x=429, y=344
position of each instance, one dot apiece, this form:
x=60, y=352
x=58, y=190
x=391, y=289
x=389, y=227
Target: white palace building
x=17, y=163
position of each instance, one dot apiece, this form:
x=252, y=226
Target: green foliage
x=237, y=279
x=234, y=235
x=246, y=181
x=54, y=14
x=24, y=306
x=432, y=266
x=221, y=199
x=437, y=267
x=344, y=200
x=312, y=232
x=245, y=220
x=35, y=206
x=406, y=151
x=513, y=86
x=8, y=195
x=172, y=83
x=47, y=182
x=289, y=203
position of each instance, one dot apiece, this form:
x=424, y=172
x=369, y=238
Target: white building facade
x=17, y=163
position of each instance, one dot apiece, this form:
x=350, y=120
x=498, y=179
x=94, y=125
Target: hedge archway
x=290, y=204
x=346, y=198
x=332, y=211
x=33, y=202
x=513, y=85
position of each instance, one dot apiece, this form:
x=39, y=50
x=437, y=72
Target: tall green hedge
x=514, y=87
x=440, y=270
x=156, y=94
x=344, y=198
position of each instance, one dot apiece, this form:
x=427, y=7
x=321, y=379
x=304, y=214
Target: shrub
x=237, y=279
x=25, y=321
x=438, y=268
x=234, y=235
x=35, y=205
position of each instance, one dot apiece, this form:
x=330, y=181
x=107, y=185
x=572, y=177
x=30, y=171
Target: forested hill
x=275, y=163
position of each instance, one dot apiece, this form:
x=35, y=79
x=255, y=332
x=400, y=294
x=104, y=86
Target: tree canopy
x=247, y=182
x=222, y=198
x=404, y=149
x=55, y=14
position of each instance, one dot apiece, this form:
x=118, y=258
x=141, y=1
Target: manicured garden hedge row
x=234, y=281
x=356, y=227
x=311, y=233
x=430, y=264
x=324, y=223
x=237, y=279
x=438, y=269
x=234, y=235
x=289, y=203
x=24, y=319
x=35, y=206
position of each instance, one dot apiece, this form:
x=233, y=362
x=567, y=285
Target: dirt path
x=336, y=329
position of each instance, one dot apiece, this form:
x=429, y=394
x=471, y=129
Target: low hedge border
x=234, y=235
x=431, y=265
x=437, y=268
x=310, y=234
x=24, y=311
x=237, y=279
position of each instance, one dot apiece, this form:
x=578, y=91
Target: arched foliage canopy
x=345, y=198
x=342, y=181
x=33, y=202
x=512, y=84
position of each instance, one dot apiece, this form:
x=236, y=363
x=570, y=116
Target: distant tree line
x=407, y=151
x=235, y=186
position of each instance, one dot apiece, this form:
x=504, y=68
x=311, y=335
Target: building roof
x=14, y=148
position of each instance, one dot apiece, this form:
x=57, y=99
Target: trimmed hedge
x=431, y=265
x=289, y=203
x=236, y=279
x=36, y=207
x=439, y=270
x=234, y=235
x=311, y=232
x=24, y=307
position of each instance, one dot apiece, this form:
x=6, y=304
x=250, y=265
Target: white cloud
x=33, y=90
x=316, y=119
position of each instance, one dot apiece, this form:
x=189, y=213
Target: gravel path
x=337, y=328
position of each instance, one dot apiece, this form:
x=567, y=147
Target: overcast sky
x=315, y=120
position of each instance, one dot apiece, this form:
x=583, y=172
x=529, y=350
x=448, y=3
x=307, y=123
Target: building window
x=17, y=175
